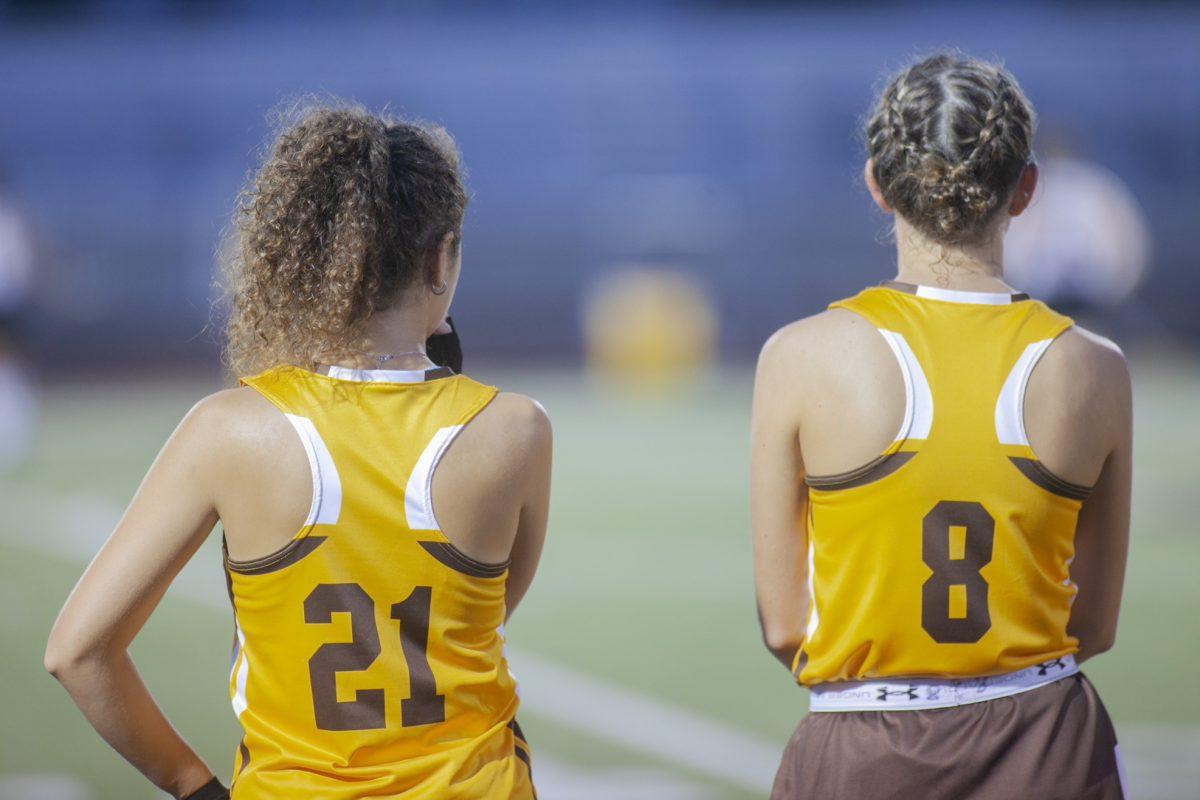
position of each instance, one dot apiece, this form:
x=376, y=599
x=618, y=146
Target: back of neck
x=970, y=268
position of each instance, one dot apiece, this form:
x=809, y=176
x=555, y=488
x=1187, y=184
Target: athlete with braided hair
x=940, y=486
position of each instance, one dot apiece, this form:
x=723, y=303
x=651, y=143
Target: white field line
x=1161, y=760
x=74, y=526
x=646, y=725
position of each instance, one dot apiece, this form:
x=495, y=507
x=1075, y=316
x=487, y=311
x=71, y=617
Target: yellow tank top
x=369, y=654
x=948, y=555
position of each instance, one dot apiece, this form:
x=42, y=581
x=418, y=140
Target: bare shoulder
x=1089, y=362
x=830, y=336
x=512, y=429
x=228, y=404
x=519, y=415
x=1085, y=378
x=234, y=423
x=832, y=330
x=1092, y=349
x=235, y=413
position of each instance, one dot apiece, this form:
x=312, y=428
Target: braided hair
x=949, y=138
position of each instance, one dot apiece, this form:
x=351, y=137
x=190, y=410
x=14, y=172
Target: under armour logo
x=1045, y=667
x=885, y=693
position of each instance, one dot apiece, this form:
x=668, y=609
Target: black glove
x=213, y=790
x=444, y=349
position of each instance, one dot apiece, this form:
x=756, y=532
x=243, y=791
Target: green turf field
x=645, y=590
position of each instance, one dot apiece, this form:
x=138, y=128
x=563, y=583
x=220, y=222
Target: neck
x=398, y=331
x=973, y=267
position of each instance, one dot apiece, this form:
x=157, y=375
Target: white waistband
x=900, y=694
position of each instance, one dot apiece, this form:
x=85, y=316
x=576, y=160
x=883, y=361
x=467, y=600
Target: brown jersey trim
x=521, y=747
x=523, y=754
x=801, y=663
x=450, y=556
x=289, y=554
x=245, y=757
x=1037, y=472
x=910, y=288
x=515, y=727
x=437, y=373
x=236, y=649
x=870, y=472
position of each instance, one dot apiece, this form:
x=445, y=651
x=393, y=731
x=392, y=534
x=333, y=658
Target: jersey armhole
x=324, y=508
x=1010, y=421
x=418, y=490
x=326, y=505
x=915, y=422
x=418, y=501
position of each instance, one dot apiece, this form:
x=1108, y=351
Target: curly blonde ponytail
x=336, y=225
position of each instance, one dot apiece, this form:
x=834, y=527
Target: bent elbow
x=62, y=657
x=1095, y=644
x=1102, y=644
x=57, y=659
x=783, y=643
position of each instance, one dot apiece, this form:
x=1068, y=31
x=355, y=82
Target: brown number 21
x=366, y=711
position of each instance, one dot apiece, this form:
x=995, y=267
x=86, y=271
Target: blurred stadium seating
x=130, y=126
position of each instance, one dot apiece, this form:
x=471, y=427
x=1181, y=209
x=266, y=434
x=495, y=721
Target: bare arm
x=778, y=503
x=535, y=511
x=492, y=489
x=167, y=520
x=1102, y=535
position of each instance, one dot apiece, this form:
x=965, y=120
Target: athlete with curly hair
x=382, y=516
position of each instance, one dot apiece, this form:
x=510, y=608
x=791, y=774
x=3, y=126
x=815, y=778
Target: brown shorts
x=1055, y=742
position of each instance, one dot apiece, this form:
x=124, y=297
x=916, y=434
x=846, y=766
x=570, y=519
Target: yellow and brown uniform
x=369, y=659
x=936, y=646
x=949, y=554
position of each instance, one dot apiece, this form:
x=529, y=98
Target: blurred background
x=655, y=167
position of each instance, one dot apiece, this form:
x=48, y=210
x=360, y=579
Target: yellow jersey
x=949, y=554
x=369, y=654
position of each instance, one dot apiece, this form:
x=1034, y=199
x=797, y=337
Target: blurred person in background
x=18, y=254
x=940, y=486
x=382, y=516
x=1084, y=243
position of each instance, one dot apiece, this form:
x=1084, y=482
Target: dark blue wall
x=721, y=138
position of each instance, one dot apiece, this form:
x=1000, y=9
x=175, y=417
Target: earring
x=439, y=290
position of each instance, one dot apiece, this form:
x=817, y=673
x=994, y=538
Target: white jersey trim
x=915, y=694
x=814, y=619
x=418, y=492
x=918, y=398
x=326, y=505
x=241, y=671
x=1010, y=405
x=958, y=296
x=378, y=375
